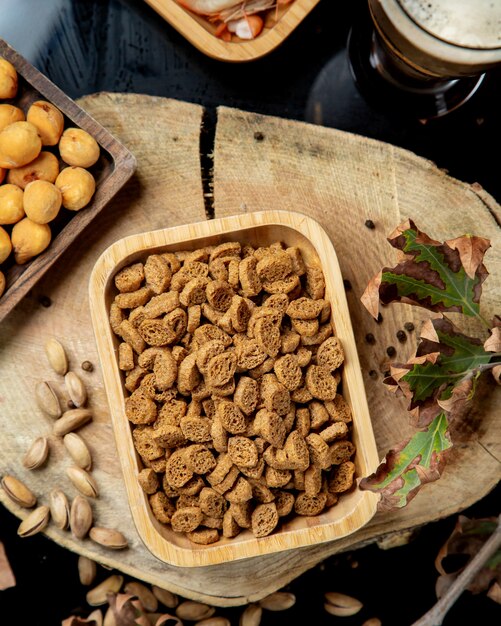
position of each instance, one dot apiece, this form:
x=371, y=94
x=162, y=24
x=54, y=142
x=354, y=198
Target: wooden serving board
x=259, y=163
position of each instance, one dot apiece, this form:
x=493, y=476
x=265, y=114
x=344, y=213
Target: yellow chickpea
x=77, y=186
x=19, y=144
x=11, y=204
x=5, y=244
x=3, y=282
x=10, y=114
x=8, y=80
x=78, y=148
x=44, y=167
x=48, y=120
x=42, y=201
x=29, y=239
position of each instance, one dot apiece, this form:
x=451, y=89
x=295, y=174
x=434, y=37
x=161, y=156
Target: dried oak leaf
x=410, y=465
x=466, y=539
x=493, y=343
x=445, y=357
x=438, y=276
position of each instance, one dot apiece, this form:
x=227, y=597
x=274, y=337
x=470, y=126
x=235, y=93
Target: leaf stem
x=435, y=616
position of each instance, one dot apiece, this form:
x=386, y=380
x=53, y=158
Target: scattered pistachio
x=83, y=481
x=167, y=598
x=76, y=389
x=194, y=611
x=97, y=595
x=87, y=569
x=56, y=356
x=59, y=508
x=36, y=521
x=47, y=400
x=78, y=450
x=80, y=517
x=278, y=601
x=341, y=605
x=251, y=615
x=18, y=492
x=71, y=420
x=145, y=596
x=37, y=453
x=108, y=538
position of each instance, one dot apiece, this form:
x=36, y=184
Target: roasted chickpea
x=44, y=167
x=11, y=204
x=77, y=186
x=42, y=201
x=10, y=114
x=48, y=120
x=5, y=244
x=29, y=239
x=8, y=79
x=77, y=147
x=3, y=282
x=19, y=144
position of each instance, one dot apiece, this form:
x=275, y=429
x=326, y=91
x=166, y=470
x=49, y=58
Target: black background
x=85, y=46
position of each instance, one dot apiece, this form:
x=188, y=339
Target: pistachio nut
x=80, y=517
x=165, y=597
x=18, y=492
x=251, y=615
x=87, y=569
x=47, y=400
x=59, y=508
x=194, y=611
x=76, y=389
x=37, y=453
x=78, y=450
x=341, y=605
x=56, y=356
x=83, y=481
x=108, y=538
x=36, y=521
x=278, y=601
x=145, y=596
x=97, y=595
x=71, y=420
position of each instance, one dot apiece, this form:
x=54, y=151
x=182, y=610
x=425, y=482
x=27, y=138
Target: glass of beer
x=427, y=57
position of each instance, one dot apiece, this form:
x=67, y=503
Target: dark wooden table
x=86, y=46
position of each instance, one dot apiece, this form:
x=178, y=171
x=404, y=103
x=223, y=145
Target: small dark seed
x=369, y=338
x=45, y=301
x=401, y=336
x=390, y=351
x=71, y=405
x=87, y=366
x=409, y=326
x=347, y=284
x=258, y=135
x=370, y=224
x=379, y=318
x=373, y=374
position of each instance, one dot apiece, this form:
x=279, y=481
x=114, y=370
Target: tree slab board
x=260, y=162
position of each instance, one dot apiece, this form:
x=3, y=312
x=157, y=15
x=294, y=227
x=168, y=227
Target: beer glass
x=427, y=57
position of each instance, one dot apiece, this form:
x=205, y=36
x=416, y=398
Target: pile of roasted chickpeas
x=42, y=169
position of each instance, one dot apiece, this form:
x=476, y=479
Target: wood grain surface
x=337, y=178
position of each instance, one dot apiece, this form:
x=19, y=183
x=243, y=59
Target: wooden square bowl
x=278, y=25
x=114, y=167
x=355, y=508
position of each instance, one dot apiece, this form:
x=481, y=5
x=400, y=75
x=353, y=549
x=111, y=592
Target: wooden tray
x=115, y=166
x=354, y=509
x=201, y=33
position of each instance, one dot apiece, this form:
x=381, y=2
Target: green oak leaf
x=410, y=465
x=434, y=275
x=454, y=356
